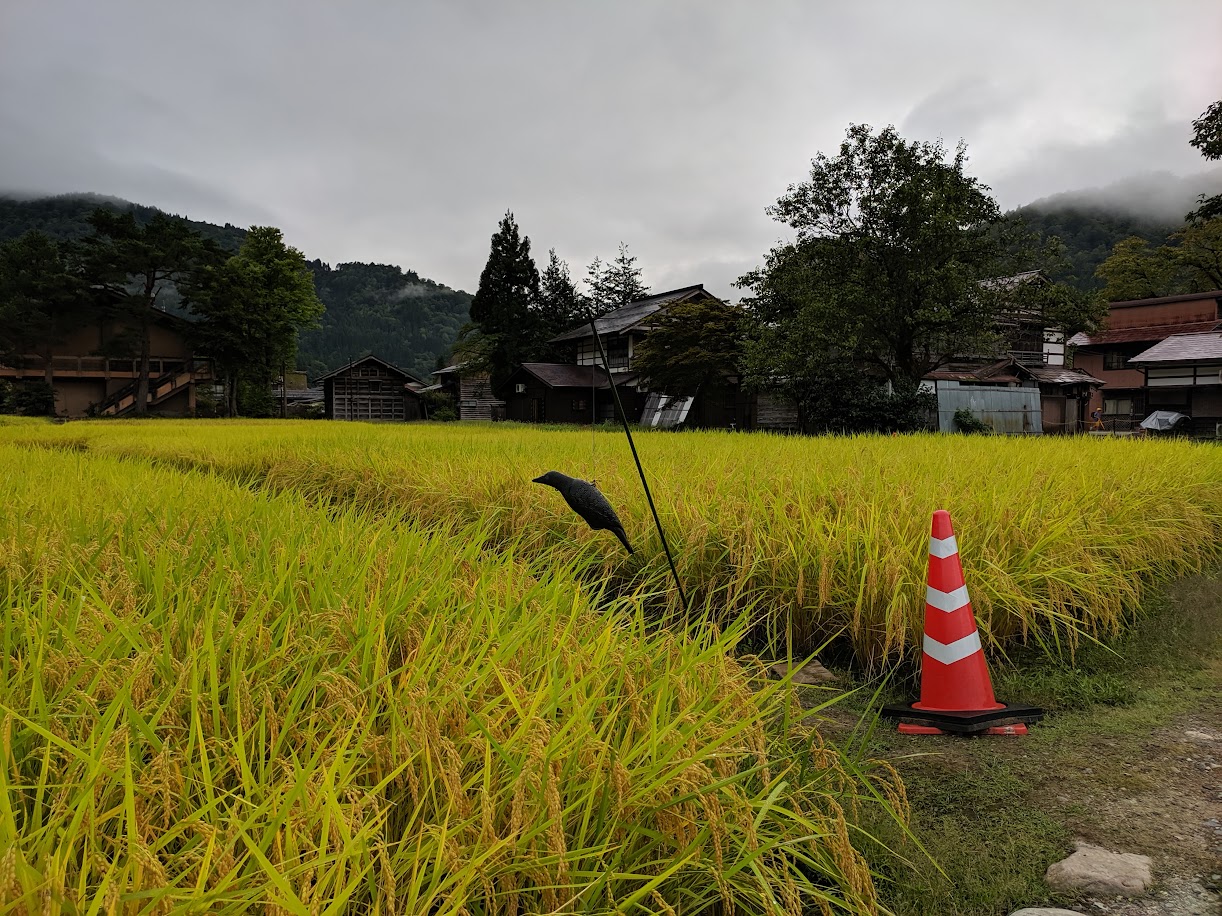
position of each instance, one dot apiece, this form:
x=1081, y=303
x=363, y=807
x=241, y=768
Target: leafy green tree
x=1207, y=137
x=506, y=327
x=43, y=296
x=136, y=264
x=692, y=346
x=1190, y=262
x=614, y=284
x=885, y=274
x=251, y=308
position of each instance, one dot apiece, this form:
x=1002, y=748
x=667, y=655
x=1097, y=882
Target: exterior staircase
x=160, y=389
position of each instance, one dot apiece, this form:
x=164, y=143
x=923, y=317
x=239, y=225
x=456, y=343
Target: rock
x=1193, y=735
x=1098, y=871
x=812, y=672
x=1044, y=911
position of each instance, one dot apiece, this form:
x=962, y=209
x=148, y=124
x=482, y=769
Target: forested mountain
x=1088, y=233
x=371, y=308
x=63, y=217
x=381, y=309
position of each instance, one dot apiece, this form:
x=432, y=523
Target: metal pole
x=640, y=470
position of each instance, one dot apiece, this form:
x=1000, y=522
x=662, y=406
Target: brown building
x=371, y=389
x=556, y=393
x=89, y=381
x=1131, y=329
x=1184, y=373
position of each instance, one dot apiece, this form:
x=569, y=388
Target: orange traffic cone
x=956, y=693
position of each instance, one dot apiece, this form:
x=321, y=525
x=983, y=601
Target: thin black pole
x=640, y=470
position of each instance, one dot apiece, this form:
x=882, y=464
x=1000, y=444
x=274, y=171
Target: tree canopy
x=43, y=294
x=1190, y=262
x=1207, y=137
x=252, y=307
x=615, y=283
x=135, y=264
x=893, y=241
x=692, y=345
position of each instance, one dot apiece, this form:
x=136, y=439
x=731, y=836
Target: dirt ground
x=1135, y=767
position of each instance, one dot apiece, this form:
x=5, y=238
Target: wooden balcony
x=93, y=367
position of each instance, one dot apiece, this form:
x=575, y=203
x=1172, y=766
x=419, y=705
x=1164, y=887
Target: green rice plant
x=219, y=700
x=1060, y=537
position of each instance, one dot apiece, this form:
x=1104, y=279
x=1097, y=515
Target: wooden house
x=558, y=393
x=472, y=393
x=621, y=330
x=1133, y=328
x=94, y=371
x=371, y=389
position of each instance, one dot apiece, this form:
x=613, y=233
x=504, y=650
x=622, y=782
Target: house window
x=617, y=353
x=1115, y=359
x=580, y=405
x=1118, y=407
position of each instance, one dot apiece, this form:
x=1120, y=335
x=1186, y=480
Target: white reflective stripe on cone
x=943, y=547
x=946, y=601
x=949, y=653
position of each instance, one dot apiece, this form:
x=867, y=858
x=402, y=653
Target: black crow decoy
x=584, y=499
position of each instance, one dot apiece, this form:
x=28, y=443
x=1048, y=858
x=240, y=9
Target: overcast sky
x=400, y=131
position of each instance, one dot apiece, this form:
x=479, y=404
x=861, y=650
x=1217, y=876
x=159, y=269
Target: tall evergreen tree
x=136, y=264
x=43, y=296
x=506, y=326
x=615, y=284
x=560, y=305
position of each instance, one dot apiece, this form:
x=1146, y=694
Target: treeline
x=247, y=306
x=370, y=308
x=1088, y=235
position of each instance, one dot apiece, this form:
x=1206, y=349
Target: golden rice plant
x=215, y=699
x=1060, y=537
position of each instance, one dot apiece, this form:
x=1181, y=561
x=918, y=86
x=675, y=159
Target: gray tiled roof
x=564, y=375
x=1183, y=348
x=628, y=316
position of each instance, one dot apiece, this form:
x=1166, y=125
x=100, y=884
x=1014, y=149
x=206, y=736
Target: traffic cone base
x=956, y=693
x=905, y=728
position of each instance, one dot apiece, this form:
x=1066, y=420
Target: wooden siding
x=475, y=400
x=775, y=413
x=369, y=391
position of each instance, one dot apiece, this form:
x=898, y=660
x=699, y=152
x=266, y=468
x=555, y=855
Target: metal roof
x=1059, y=375
x=1183, y=348
x=565, y=375
x=634, y=313
x=1142, y=334
x=365, y=359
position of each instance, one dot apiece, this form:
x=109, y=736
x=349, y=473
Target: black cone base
x=964, y=723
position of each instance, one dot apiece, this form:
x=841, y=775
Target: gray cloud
x=401, y=132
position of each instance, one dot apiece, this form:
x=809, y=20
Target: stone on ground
x=812, y=673
x=1098, y=871
x=1044, y=911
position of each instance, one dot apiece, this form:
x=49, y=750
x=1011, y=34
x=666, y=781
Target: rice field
x=219, y=699
x=815, y=539
x=341, y=668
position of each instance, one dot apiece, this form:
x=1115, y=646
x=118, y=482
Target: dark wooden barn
x=556, y=393
x=371, y=389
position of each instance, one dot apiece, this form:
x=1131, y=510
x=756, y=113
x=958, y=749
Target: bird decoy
x=584, y=499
